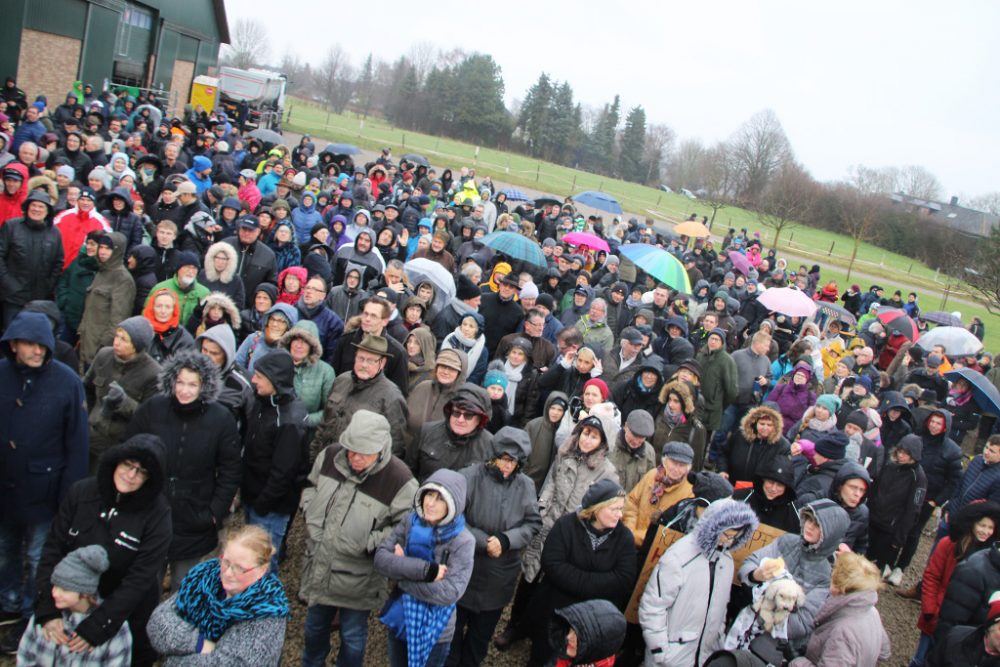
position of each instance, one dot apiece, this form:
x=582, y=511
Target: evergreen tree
x=480, y=114
x=599, y=153
x=631, y=167
x=534, y=115
x=563, y=124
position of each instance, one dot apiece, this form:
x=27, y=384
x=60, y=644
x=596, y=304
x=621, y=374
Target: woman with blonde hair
x=228, y=610
x=848, y=629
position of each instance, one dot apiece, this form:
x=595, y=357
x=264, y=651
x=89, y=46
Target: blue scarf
x=422, y=623
x=202, y=602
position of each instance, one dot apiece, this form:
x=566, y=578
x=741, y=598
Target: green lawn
x=894, y=271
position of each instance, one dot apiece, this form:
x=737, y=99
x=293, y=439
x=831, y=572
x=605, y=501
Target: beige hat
x=186, y=188
x=374, y=344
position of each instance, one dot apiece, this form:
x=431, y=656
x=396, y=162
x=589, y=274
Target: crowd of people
x=207, y=337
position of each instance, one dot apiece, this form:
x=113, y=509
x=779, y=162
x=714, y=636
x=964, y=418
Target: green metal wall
x=99, y=45
x=10, y=36
x=60, y=17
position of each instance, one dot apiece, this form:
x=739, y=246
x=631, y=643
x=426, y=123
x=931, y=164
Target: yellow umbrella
x=693, y=228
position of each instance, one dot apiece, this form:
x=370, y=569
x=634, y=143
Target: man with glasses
x=312, y=307
x=542, y=351
x=458, y=440
x=375, y=314
x=366, y=387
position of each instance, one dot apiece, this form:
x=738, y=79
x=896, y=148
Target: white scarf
x=514, y=376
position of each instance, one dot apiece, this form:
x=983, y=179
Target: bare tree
x=987, y=203
x=657, y=148
x=330, y=75
x=249, y=46
x=984, y=276
x=859, y=210
x=759, y=150
x=682, y=172
x=918, y=182
x=717, y=176
x=789, y=196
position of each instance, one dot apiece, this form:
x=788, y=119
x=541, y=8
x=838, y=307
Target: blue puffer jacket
x=942, y=462
x=305, y=217
x=43, y=425
x=980, y=482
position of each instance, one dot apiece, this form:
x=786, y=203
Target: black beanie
x=465, y=288
x=832, y=445
x=600, y=491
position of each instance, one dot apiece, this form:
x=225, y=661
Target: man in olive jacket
x=718, y=378
x=359, y=491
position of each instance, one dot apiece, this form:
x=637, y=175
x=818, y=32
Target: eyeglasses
x=461, y=414
x=310, y=288
x=367, y=361
x=238, y=570
x=135, y=469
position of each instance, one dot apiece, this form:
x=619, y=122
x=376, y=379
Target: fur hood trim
x=223, y=301
x=750, y=419
x=684, y=390
x=36, y=182
x=308, y=332
x=723, y=515
x=211, y=381
x=227, y=250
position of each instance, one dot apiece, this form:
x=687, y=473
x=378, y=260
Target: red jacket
x=936, y=578
x=11, y=205
x=74, y=226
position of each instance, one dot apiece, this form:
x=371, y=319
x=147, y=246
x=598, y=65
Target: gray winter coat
x=347, y=516
x=848, y=632
x=683, y=608
x=570, y=476
x=414, y=574
x=139, y=377
x=110, y=300
x=505, y=508
x=809, y=564
x=348, y=395
x=632, y=464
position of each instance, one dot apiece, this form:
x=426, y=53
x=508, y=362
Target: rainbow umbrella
x=658, y=263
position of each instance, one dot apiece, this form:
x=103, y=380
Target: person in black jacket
x=772, y=495
x=203, y=455
x=257, y=263
x=587, y=555
x=850, y=490
x=121, y=218
x=502, y=313
x=894, y=504
x=966, y=602
x=122, y=509
x=141, y=262
x=274, y=457
x=756, y=443
x=31, y=257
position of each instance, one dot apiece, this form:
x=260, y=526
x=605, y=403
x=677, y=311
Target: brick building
x=47, y=45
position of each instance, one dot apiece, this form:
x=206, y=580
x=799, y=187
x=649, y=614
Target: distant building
x=47, y=45
x=964, y=220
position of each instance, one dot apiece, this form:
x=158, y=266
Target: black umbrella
x=267, y=136
x=416, y=159
x=940, y=317
x=542, y=200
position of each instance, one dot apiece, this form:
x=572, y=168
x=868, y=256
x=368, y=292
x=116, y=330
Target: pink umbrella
x=787, y=301
x=589, y=240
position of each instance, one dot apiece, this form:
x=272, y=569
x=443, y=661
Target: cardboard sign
x=665, y=538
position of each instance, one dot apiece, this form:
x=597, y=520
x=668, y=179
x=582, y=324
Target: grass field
x=832, y=251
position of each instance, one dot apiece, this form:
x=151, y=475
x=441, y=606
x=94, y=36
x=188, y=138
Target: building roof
x=964, y=220
x=221, y=20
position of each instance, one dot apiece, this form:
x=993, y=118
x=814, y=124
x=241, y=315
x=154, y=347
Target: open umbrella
x=267, y=136
x=983, y=392
x=154, y=115
x=542, y=200
x=658, y=263
x=957, y=342
x=740, y=262
x=416, y=159
x=897, y=321
x=693, y=228
x=420, y=269
x=587, y=239
x=787, y=301
x=602, y=201
x=342, y=149
x=940, y=317
x=835, y=312
x=517, y=247
x=513, y=194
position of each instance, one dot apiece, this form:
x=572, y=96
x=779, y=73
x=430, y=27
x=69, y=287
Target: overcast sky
x=853, y=82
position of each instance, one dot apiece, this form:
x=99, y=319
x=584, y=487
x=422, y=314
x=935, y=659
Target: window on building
x=132, y=18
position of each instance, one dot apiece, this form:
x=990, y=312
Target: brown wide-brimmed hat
x=374, y=344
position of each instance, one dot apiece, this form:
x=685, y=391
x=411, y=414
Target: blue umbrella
x=602, y=201
x=516, y=247
x=513, y=194
x=342, y=149
x=985, y=394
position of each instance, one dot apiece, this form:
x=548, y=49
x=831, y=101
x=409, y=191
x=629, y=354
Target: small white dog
x=779, y=600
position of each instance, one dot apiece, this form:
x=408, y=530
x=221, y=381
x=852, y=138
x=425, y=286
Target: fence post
x=538, y=171
x=404, y=139
x=791, y=236
x=573, y=187
x=659, y=197
x=911, y=268
x=833, y=243
x=327, y=124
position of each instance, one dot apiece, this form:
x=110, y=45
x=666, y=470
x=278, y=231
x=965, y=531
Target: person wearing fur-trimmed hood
x=221, y=272
x=202, y=454
x=683, y=608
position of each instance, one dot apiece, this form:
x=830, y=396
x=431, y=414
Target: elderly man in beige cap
x=365, y=387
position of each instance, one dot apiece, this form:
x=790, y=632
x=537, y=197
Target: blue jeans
x=15, y=539
x=397, y=653
x=923, y=648
x=275, y=525
x=353, y=636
